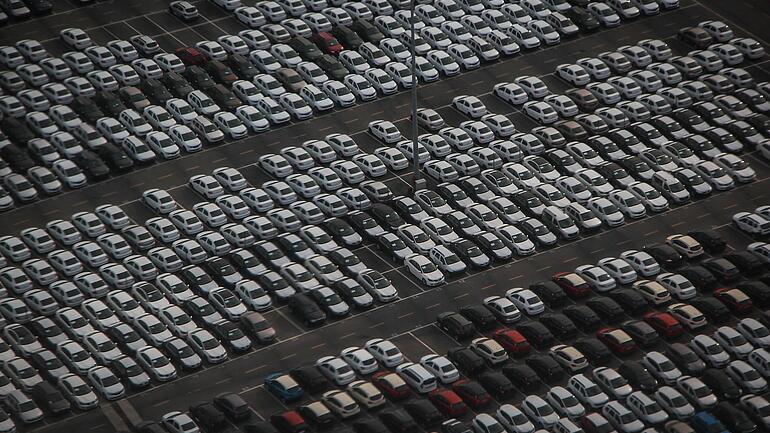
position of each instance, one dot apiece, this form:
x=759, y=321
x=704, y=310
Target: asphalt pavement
x=408, y=322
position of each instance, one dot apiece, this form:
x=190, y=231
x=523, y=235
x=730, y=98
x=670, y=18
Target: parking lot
x=408, y=322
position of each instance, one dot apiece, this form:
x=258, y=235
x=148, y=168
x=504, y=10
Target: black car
x=369, y=425
x=39, y=7
x=733, y=418
x=306, y=49
x=333, y=68
x=149, y=427
x=758, y=291
x=453, y=195
x=424, y=412
x=523, y=377
x=207, y=416
x=310, y=379
x=246, y=263
x=685, y=359
x=466, y=360
x=669, y=127
x=546, y=367
x=497, y=384
x=386, y=216
x=269, y=253
x=666, y=256
x=475, y=189
x=328, y=303
x=341, y=231
x=759, y=121
x=49, y=398
x=480, y=316
x=126, y=337
x=398, y=420
x=222, y=271
x=347, y=37
x=633, y=165
x=721, y=384
x=646, y=133
x=16, y=158
x=130, y=372
x=195, y=278
x=455, y=325
x=220, y=72
x=722, y=268
x=156, y=91
x=177, y=84
x=642, y=333
x=112, y=105
x=613, y=172
x=695, y=36
x=242, y=67
x=609, y=310
x=322, y=420
x=45, y=361
x=550, y=293
x=638, y=376
x=344, y=259
x=115, y=157
x=303, y=306
x=391, y=244
x=713, y=309
x=746, y=262
x=594, y=350
x=699, y=144
x=86, y=109
x=559, y=325
x=231, y=336
x=364, y=223
x=582, y=18
x=232, y=405
x=16, y=131
x=224, y=97
x=624, y=138
x=91, y=164
x=293, y=245
x=198, y=77
x=470, y=253
x=367, y=31
x=527, y=201
x=537, y=334
x=353, y=293
x=630, y=300
x=700, y=277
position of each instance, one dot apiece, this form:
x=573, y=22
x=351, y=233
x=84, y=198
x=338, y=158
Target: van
x=760, y=360
x=417, y=376
x=559, y=222
x=670, y=187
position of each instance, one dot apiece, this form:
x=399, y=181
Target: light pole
x=417, y=183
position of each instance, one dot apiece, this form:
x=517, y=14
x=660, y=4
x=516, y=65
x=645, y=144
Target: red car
x=737, y=301
x=191, y=56
x=391, y=384
x=573, y=284
x=472, y=393
x=512, y=341
x=448, y=402
x=616, y=340
x=327, y=43
x=664, y=323
x=290, y=421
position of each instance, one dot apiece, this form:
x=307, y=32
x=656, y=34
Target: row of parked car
x=555, y=342
x=103, y=109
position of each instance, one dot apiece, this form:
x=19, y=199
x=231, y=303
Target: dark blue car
x=705, y=422
x=284, y=387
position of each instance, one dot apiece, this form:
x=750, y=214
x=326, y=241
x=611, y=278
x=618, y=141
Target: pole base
x=418, y=184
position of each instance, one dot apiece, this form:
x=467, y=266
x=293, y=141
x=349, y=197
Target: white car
x=385, y=352
x=526, y=300
x=336, y=370
x=679, y=286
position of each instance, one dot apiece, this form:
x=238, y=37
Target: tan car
x=290, y=79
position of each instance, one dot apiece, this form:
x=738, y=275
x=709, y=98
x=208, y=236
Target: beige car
x=341, y=403
x=366, y=394
x=685, y=245
x=290, y=79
